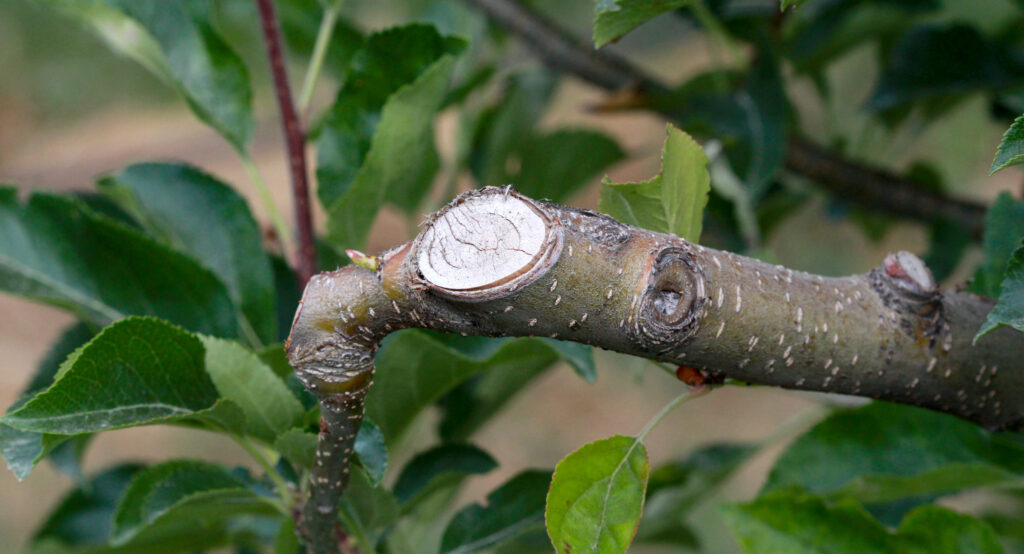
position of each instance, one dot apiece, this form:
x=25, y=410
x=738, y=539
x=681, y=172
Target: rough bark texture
x=887, y=334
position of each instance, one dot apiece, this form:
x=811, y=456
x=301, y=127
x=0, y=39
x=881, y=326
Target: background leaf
x=1011, y=148
x=370, y=507
x=22, y=450
x=885, y=452
x=269, y=407
x=84, y=516
x=184, y=491
x=205, y=218
x=372, y=451
x=614, y=18
x=414, y=370
x=137, y=371
x=1009, y=310
x=674, y=488
x=431, y=469
x=673, y=202
x=597, y=495
x=931, y=62
x=54, y=250
x=514, y=509
x=377, y=141
x=796, y=522
x=299, y=447
x=1004, y=229
x=175, y=41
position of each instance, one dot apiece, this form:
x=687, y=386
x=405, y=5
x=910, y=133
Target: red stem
x=305, y=262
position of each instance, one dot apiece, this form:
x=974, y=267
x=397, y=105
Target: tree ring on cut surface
x=487, y=243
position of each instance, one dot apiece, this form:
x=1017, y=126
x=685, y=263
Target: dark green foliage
x=892, y=457
x=1011, y=149
x=507, y=148
x=1010, y=308
x=935, y=63
x=436, y=467
x=512, y=510
x=55, y=250
x=1004, y=229
x=675, y=488
x=198, y=215
x=793, y=521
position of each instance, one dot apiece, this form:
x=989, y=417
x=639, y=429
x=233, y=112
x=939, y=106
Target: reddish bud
x=690, y=376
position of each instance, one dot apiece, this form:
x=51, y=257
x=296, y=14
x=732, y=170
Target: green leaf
x=372, y=451
x=673, y=202
x=85, y=514
x=931, y=529
x=269, y=407
x=502, y=130
x=175, y=41
x=747, y=113
x=795, y=522
x=615, y=18
x=178, y=491
x=414, y=369
x=946, y=245
x=478, y=399
x=822, y=32
x=299, y=447
x=1009, y=310
x=512, y=510
x=24, y=449
x=791, y=4
x=136, y=371
x=1004, y=229
x=433, y=468
x=401, y=155
x=376, y=143
x=369, y=507
x=936, y=63
x=506, y=147
x=674, y=488
x=557, y=164
x=54, y=250
x=597, y=496
x=1011, y=149
x=885, y=452
x=205, y=218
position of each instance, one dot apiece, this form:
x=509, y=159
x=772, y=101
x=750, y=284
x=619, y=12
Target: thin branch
x=869, y=186
x=305, y=262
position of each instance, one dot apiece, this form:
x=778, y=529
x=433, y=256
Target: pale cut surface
x=486, y=240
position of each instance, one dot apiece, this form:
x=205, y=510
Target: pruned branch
x=869, y=186
x=305, y=262
x=496, y=263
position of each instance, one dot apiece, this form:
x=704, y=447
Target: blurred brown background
x=70, y=110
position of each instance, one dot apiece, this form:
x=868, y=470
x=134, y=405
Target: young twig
x=305, y=262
